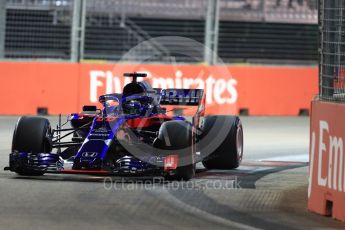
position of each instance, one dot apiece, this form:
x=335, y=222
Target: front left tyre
x=31, y=135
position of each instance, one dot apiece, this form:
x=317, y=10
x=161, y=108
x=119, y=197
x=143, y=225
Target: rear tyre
x=32, y=135
x=176, y=137
x=229, y=153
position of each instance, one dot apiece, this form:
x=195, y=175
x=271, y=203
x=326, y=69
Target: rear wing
x=189, y=97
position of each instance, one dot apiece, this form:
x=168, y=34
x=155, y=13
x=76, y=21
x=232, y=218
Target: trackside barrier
x=66, y=87
x=326, y=191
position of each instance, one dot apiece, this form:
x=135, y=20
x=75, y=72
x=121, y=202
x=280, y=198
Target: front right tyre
x=31, y=135
x=176, y=137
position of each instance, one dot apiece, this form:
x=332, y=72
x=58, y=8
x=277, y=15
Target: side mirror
x=89, y=108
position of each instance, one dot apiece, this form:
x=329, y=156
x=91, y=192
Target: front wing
x=26, y=164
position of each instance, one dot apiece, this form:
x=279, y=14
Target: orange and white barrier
x=66, y=87
x=326, y=190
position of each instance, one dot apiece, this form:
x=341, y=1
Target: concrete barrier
x=326, y=191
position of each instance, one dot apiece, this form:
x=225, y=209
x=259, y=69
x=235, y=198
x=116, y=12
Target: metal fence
x=106, y=29
x=332, y=50
x=284, y=11
x=39, y=29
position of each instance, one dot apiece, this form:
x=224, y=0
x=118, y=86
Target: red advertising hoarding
x=66, y=87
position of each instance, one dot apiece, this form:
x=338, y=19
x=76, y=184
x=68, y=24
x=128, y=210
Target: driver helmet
x=137, y=105
x=132, y=107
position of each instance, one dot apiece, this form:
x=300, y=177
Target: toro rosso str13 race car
x=131, y=135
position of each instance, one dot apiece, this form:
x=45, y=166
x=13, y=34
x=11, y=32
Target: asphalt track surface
x=269, y=191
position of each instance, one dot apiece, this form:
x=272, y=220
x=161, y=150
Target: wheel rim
x=46, y=144
x=239, y=142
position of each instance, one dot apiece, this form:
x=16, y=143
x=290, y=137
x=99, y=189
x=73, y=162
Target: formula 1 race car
x=131, y=135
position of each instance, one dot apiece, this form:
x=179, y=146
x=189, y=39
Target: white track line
x=292, y=158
